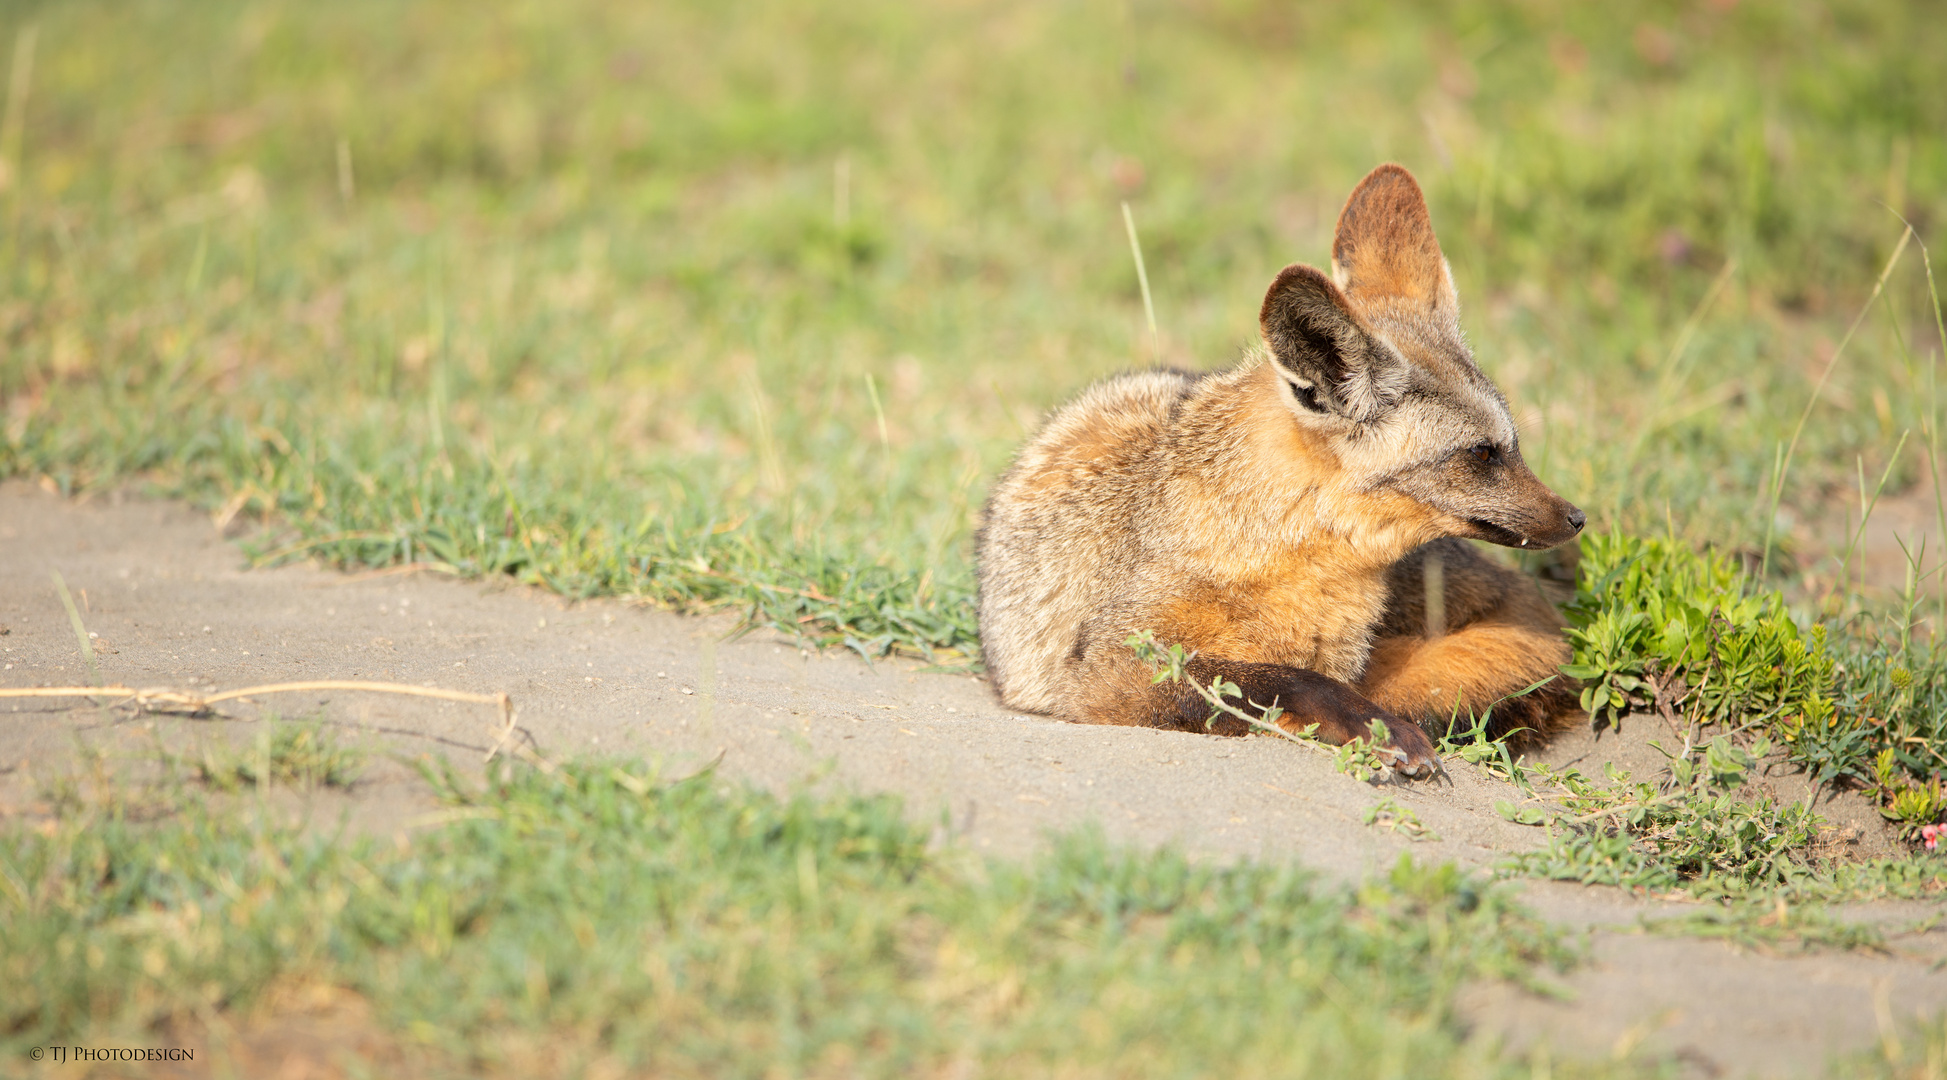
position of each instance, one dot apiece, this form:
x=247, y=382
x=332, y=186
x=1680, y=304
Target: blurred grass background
x=748, y=302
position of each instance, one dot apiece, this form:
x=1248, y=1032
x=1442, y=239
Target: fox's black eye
x=1483, y=453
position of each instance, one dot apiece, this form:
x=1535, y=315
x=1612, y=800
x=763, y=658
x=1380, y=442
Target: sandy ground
x=1904, y=529
x=172, y=604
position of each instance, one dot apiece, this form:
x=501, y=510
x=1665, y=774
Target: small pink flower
x=1932, y=834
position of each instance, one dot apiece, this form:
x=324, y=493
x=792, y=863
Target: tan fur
x=1274, y=517
x=1385, y=247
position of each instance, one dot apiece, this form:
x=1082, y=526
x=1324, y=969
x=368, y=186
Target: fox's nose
x=1576, y=518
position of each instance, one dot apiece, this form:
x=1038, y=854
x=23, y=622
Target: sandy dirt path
x=172, y=603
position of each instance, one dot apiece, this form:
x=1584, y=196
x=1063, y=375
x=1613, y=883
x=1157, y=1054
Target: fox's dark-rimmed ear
x=1330, y=360
x=1384, y=248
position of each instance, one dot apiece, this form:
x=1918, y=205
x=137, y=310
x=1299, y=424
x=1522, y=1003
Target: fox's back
x=1061, y=534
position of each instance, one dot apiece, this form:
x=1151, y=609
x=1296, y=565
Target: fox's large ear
x=1329, y=359
x=1384, y=249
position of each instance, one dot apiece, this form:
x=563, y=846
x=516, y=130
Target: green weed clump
x=1699, y=834
x=1897, y=690
x=1659, y=628
x=602, y=915
x=1656, y=625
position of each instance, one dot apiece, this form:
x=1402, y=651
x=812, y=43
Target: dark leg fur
x=1341, y=713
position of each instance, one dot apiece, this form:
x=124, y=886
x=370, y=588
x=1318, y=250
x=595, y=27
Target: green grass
x=1770, y=926
x=601, y=918
x=304, y=755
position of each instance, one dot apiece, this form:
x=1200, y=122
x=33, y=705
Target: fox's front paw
x=1341, y=714
x=1413, y=753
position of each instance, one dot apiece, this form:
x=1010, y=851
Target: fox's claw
x=1412, y=752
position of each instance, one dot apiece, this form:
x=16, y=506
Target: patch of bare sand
x=173, y=605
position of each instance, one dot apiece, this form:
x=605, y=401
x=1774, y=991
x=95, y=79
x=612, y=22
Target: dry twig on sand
x=168, y=700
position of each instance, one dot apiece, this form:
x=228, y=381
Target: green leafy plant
x=1655, y=625
x=1897, y=746
x=1658, y=627
x=1912, y=805
x=1365, y=759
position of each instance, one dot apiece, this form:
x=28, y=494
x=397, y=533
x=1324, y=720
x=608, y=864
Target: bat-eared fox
x=1282, y=520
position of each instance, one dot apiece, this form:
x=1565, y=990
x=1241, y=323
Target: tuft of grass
x=304, y=755
x=80, y=629
x=1772, y=923
x=1699, y=834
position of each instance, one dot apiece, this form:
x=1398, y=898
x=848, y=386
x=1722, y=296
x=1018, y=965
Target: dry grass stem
x=80, y=629
x=164, y=699
x=1791, y=446
x=1142, y=278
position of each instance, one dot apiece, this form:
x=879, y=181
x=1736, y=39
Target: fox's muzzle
x=1526, y=514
